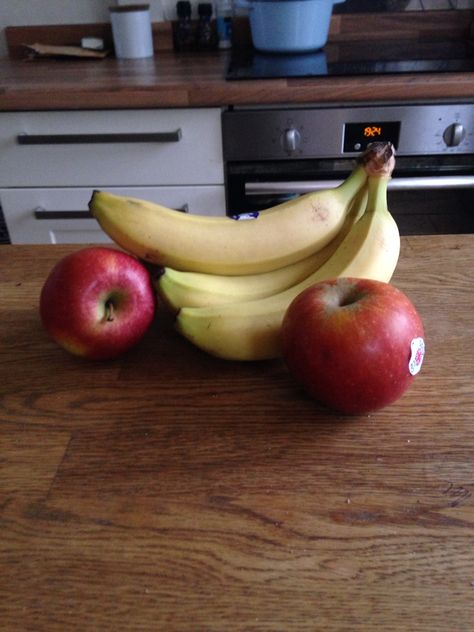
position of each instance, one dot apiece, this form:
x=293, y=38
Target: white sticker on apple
x=417, y=355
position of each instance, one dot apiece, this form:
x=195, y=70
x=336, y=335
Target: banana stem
x=353, y=183
x=378, y=159
x=377, y=197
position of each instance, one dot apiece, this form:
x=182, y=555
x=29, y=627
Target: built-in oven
x=273, y=154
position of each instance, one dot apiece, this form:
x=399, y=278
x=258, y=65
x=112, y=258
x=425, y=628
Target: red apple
x=355, y=345
x=97, y=302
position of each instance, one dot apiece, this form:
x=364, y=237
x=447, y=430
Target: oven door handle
x=395, y=184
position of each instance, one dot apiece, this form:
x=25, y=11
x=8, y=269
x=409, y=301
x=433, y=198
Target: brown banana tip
x=379, y=159
x=91, y=201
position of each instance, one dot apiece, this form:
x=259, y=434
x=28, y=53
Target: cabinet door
x=113, y=148
x=60, y=215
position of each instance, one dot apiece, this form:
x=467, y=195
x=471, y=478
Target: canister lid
x=183, y=8
x=125, y=8
x=205, y=9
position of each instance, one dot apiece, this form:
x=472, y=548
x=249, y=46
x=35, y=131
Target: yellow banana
x=251, y=330
x=197, y=289
x=221, y=245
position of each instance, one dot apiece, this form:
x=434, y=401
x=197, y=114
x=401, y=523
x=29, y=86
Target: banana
x=279, y=236
x=196, y=289
x=250, y=330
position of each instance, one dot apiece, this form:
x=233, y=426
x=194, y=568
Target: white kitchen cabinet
x=50, y=162
x=59, y=215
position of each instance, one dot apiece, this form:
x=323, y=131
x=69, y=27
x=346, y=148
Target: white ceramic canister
x=131, y=31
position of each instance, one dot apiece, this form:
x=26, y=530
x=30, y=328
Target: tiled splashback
x=358, y=6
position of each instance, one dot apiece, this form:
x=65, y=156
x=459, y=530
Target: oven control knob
x=291, y=140
x=454, y=134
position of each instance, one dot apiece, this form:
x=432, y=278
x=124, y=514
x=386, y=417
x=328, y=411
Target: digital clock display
x=358, y=135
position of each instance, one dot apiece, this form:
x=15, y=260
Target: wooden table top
x=168, y=490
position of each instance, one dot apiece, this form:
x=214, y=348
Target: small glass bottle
x=184, y=36
x=224, y=14
x=205, y=35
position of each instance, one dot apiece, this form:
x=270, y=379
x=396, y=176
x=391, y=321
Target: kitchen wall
x=32, y=12
x=357, y=6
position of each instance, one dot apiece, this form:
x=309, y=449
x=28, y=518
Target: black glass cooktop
x=335, y=60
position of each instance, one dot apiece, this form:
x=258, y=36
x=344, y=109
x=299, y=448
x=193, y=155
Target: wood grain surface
x=168, y=490
x=198, y=79
x=172, y=80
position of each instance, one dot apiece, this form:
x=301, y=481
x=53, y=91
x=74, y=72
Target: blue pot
x=289, y=26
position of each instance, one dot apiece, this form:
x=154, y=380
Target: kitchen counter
x=171, y=79
x=168, y=490
x=194, y=80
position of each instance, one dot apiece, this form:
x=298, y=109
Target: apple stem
x=109, y=310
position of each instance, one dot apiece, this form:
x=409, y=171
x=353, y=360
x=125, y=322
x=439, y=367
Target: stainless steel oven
x=272, y=154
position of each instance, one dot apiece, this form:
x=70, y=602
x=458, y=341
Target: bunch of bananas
x=231, y=281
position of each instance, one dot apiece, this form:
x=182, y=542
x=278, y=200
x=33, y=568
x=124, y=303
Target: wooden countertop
x=168, y=490
x=195, y=80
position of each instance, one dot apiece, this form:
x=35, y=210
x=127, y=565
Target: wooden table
x=168, y=490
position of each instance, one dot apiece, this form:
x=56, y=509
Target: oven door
x=427, y=195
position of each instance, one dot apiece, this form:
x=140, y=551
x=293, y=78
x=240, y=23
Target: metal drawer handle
x=68, y=139
x=41, y=213
x=396, y=184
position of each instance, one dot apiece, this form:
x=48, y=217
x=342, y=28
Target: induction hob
x=337, y=60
